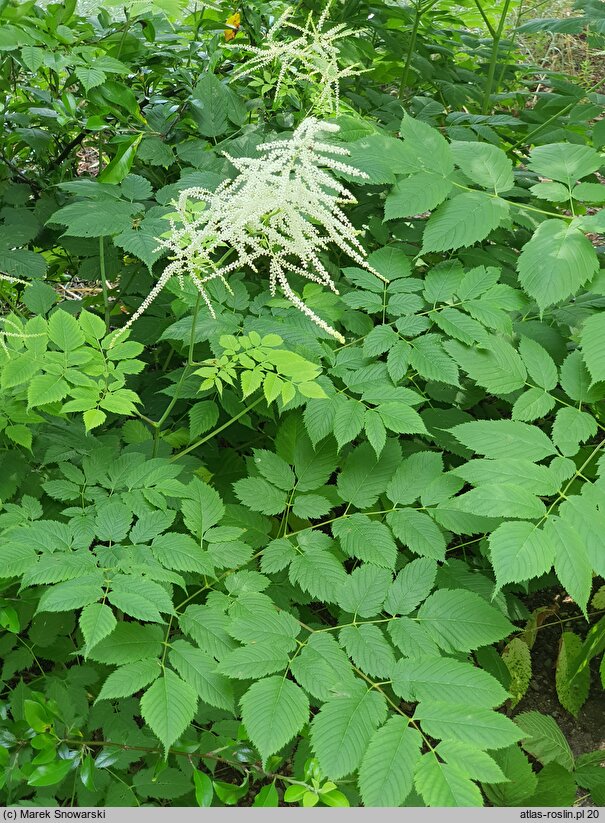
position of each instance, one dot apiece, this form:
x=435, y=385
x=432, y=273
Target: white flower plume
x=312, y=55
x=277, y=216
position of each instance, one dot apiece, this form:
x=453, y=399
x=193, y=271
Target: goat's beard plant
x=282, y=211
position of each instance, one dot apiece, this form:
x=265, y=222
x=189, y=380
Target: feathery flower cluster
x=312, y=56
x=283, y=210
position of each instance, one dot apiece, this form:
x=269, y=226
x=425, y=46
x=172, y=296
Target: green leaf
x=210, y=103
x=46, y=388
x=419, y=532
x=319, y=573
x=555, y=192
x=128, y=643
x=497, y=366
x=504, y=438
x=430, y=678
x=519, y=552
x=254, y=661
x=142, y=241
x=112, y=521
x=462, y=221
x=472, y=762
x=363, y=591
x=130, y=678
x=571, y=562
x=348, y=421
x=532, y=405
x=204, y=790
x=572, y=692
x=484, y=164
x=168, y=707
x=424, y=148
x=411, y=586
x=72, y=594
x=64, y=331
x=50, y=774
x=364, y=477
x=481, y=727
x=260, y=496
x=96, y=218
x=517, y=658
x=431, y=361
x=366, y=539
x=544, y=740
x=460, y=620
x=592, y=340
x=572, y=427
x=443, y=785
x=556, y=787
x=90, y=77
x=386, y=773
x=343, y=728
x=565, y=162
x=417, y=194
x=273, y=711
x=322, y=668
x=555, y=263
x=96, y=622
x=501, y=500
x=534, y=478
x=274, y=469
x=368, y=649
x=521, y=778
x=181, y=553
x=119, y=166
x=198, y=670
x=202, y=509
x=140, y=598
x=400, y=418
x=540, y=365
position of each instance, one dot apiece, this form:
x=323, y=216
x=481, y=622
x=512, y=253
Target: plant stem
x=408, y=60
x=216, y=431
x=104, y=281
x=489, y=86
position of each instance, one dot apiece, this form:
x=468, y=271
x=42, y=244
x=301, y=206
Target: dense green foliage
x=243, y=563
